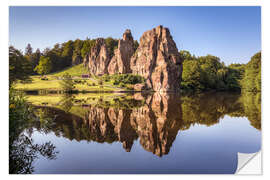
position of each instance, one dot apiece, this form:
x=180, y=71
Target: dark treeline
x=209, y=73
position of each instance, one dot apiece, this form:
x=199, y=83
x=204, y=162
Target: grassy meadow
x=52, y=82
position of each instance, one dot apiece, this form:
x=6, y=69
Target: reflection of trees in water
x=252, y=108
x=155, y=119
x=22, y=150
x=209, y=108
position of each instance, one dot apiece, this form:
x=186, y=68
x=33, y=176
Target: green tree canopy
x=28, y=50
x=252, y=76
x=191, y=76
x=44, y=66
x=111, y=44
x=207, y=72
x=19, y=67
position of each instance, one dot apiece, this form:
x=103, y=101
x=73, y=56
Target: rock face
x=158, y=61
x=99, y=58
x=120, y=63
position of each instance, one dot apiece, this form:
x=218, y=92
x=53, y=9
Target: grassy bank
x=52, y=82
x=77, y=70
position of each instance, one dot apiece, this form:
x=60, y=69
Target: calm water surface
x=138, y=133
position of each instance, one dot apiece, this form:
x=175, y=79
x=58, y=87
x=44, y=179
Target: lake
x=143, y=133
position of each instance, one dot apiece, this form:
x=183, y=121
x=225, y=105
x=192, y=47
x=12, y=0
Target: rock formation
x=99, y=58
x=157, y=60
x=120, y=63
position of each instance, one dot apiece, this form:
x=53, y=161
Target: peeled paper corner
x=249, y=163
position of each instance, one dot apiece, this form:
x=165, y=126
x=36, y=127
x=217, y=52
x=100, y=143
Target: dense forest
x=200, y=73
x=209, y=73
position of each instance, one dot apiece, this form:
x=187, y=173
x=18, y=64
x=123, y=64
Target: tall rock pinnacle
x=120, y=63
x=157, y=59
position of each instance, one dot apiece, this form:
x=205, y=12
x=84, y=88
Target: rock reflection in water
x=155, y=119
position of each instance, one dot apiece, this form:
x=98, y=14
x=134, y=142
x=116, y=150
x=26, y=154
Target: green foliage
x=67, y=84
x=19, y=111
x=68, y=49
x=78, y=44
x=22, y=150
x=44, y=66
x=185, y=55
x=34, y=59
x=127, y=79
x=252, y=107
x=208, y=73
x=28, y=50
x=191, y=76
x=136, y=45
x=252, y=77
x=111, y=45
x=19, y=67
x=87, y=45
x=67, y=53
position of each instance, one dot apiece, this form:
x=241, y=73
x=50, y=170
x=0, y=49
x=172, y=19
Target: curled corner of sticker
x=249, y=163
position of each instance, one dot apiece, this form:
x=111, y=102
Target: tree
x=44, y=66
x=87, y=45
x=111, y=44
x=68, y=50
x=252, y=76
x=191, y=75
x=22, y=150
x=34, y=59
x=136, y=45
x=19, y=67
x=210, y=66
x=185, y=55
x=67, y=83
x=207, y=72
x=76, y=56
x=28, y=50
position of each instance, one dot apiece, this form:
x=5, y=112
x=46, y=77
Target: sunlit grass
x=77, y=70
x=54, y=84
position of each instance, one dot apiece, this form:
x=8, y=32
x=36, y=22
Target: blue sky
x=231, y=33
